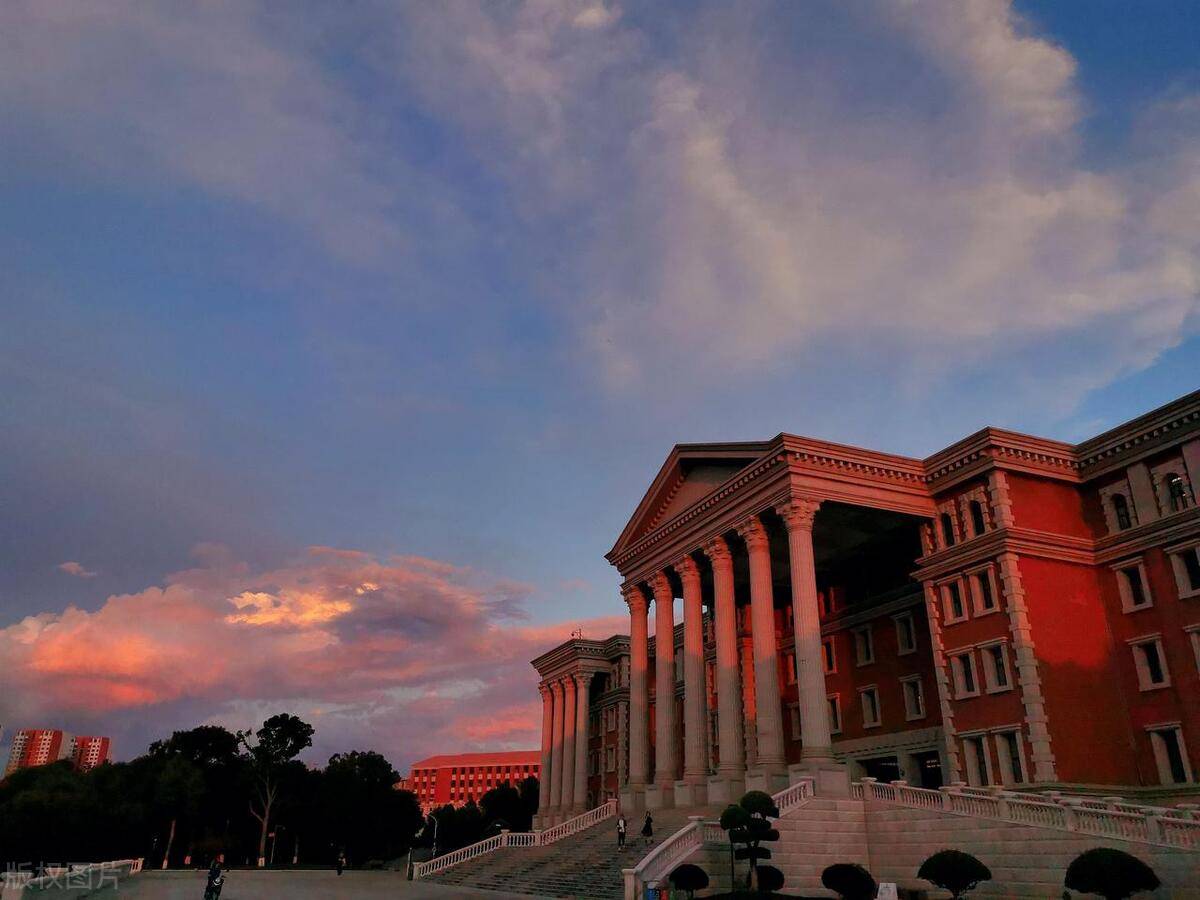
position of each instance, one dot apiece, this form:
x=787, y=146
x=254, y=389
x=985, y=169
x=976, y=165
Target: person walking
x=648, y=830
x=216, y=879
x=622, y=827
x=341, y=862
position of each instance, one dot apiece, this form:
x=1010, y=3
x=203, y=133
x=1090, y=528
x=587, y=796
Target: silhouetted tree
x=277, y=743
x=748, y=823
x=688, y=878
x=849, y=881
x=954, y=871
x=1113, y=874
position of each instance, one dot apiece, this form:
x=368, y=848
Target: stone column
x=568, y=767
x=666, y=761
x=771, y=759
x=798, y=514
x=547, y=748
x=582, y=716
x=731, y=767
x=639, y=701
x=695, y=719
x=556, y=750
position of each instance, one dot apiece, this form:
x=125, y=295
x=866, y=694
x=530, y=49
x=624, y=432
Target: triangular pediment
x=691, y=472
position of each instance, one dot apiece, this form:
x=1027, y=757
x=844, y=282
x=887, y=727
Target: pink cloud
x=410, y=655
x=73, y=568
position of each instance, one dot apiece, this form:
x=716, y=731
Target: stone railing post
x=1070, y=807
x=1154, y=829
x=1187, y=810
x=630, y=878
x=868, y=784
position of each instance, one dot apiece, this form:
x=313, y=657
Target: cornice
x=1156, y=428
x=1159, y=533
x=910, y=600
x=1023, y=541
x=579, y=651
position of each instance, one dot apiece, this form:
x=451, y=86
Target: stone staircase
x=585, y=865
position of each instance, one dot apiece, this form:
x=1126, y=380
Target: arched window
x=977, y=521
x=1121, y=508
x=1176, y=492
x=947, y=530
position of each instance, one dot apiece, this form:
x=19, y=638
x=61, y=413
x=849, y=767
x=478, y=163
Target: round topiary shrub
x=849, y=881
x=769, y=879
x=1113, y=874
x=688, y=878
x=954, y=871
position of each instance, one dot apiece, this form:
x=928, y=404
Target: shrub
x=748, y=823
x=954, y=871
x=769, y=879
x=849, y=881
x=1113, y=874
x=688, y=878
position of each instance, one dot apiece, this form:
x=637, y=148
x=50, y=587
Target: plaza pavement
x=247, y=884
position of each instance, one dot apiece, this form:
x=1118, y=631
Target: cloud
x=411, y=654
x=73, y=568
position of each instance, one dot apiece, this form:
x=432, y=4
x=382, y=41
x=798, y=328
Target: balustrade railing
x=516, y=839
x=1109, y=817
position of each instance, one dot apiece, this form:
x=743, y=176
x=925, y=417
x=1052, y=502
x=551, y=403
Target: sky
x=338, y=343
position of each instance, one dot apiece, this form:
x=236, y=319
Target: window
x=976, y=761
x=1148, y=659
x=995, y=668
x=947, y=522
x=789, y=664
x=794, y=716
x=864, y=646
x=1186, y=563
x=1131, y=583
x=1167, y=743
x=1177, y=498
x=978, y=525
x=1009, y=754
x=835, y=713
x=962, y=665
x=826, y=598
x=906, y=634
x=952, y=603
x=983, y=589
x=1121, y=510
x=610, y=759
x=828, y=656
x=868, y=698
x=914, y=698
x=1194, y=634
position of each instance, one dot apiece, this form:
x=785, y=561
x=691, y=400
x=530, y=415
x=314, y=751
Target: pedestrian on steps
x=648, y=830
x=621, y=829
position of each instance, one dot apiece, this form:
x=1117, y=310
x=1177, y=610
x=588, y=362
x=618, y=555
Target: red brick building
x=454, y=779
x=89, y=751
x=1011, y=610
x=40, y=746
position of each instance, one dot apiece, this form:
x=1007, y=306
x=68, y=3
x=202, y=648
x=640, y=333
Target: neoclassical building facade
x=1010, y=610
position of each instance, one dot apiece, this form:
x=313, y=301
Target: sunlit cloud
x=73, y=568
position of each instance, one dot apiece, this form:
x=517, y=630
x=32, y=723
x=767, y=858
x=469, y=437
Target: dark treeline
x=208, y=791
x=501, y=807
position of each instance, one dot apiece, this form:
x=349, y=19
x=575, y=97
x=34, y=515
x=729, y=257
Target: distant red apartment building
x=454, y=779
x=41, y=746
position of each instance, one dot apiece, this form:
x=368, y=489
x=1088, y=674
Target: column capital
x=661, y=586
x=582, y=679
x=717, y=550
x=635, y=598
x=754, y=534
x=557, y=687
x=686, y=568
x=544, y=689
x=798, y=512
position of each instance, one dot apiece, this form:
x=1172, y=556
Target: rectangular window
x=953, y=608
x=963, y=667
x=984, y=591
x=995, y=668
x=1131, y=584
x=1193, y=632
x=829, y=656
x=978, y=525
x=976, y=761
x=906, y=634
x=914, y=698
x=1008, y=752
x=864, y=646
x=1169, y=754
x=868, y=698
x=789, y=664
x=1186, y=563
x=1150, y=664
x=835, y=713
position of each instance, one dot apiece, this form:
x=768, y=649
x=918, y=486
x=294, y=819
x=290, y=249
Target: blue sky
x=448, y=280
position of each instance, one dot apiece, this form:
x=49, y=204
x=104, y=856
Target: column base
x=691, y=793
x=768, y=779
x=830, y=778
x=726, y=788
x=660, y=796
x=633, y=798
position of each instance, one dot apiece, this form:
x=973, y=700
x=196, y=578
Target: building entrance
x=929, y=769
x=882, y=768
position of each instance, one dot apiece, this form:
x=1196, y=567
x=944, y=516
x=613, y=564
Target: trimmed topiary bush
x=688, y=878
x=748, y=824
x=849, y=881
x=1113, y=874
x=954, y=871
x=769, y=879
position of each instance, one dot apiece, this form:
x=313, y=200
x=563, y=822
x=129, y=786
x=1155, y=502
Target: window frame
x=1004, y=755
x=1193, y=633
x=872, y=689
x=958, y=673
x=829, y=661
x=833, y=707
x=947, y=602
x=1141, y=663
x=990, y=668
x=978, y=575
x=978, y=743
x=859, y=659
x=1125, y=589
x=1161, y=761
x=947, y=512
x=906, y=616
x=1183, y=580
x=789, y=664
x=922, y=709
